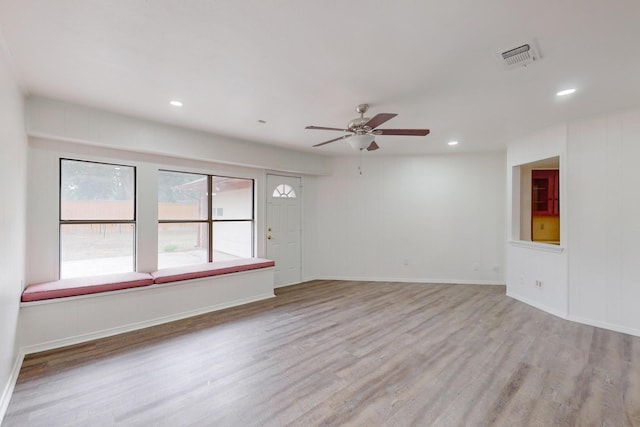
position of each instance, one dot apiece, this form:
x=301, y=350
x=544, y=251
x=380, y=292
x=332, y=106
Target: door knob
x=269, y=229
x=269, y=237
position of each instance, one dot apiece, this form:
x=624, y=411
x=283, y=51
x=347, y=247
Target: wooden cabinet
x=545, y=206
x=545, y=191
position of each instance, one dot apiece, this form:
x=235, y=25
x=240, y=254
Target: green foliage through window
x=96, y=181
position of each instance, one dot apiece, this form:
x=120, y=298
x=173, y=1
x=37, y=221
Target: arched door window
x=284, y=190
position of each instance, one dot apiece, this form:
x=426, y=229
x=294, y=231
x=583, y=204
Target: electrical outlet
x=538, y=283
x=476, y=266
x=405, y=261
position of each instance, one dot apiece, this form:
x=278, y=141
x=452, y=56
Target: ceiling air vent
x=520, y=56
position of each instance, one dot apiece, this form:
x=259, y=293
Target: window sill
x=544, y=247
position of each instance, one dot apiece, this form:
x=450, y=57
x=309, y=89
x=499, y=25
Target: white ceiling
x=295, y=63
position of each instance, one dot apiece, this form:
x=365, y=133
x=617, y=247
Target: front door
x=284, y=228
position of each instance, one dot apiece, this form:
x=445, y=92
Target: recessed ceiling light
x=176, y=103
x=452, y=143
x=565, y=92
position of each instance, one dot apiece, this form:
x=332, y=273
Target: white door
x=284, y=228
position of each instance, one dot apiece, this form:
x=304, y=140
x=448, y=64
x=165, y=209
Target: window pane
x=182, y=196
x=93, y=249
x=232, y=198
x=284, y=191
x=96, y=191
x=182, y=244
x=232, y=239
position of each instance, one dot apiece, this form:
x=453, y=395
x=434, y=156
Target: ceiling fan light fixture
x=360, y=142
x=362, y=130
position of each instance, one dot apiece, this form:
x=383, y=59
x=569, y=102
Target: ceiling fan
x=363, y=130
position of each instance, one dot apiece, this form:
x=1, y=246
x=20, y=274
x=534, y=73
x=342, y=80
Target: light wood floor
x=344, y=353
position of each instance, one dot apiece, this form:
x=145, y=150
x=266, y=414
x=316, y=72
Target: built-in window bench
x=70, y=311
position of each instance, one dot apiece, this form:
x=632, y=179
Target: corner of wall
x=13, y=166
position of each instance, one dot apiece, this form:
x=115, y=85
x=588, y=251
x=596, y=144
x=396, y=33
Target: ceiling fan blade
x=408, y=132
x=373, y=146
x=333, y=140
x=324, y=128
x=379, y=119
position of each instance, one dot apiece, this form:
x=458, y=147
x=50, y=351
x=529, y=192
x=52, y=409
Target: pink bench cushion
x=175, y=274
x=85, y=285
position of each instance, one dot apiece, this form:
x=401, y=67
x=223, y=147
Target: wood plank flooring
x=344, y=353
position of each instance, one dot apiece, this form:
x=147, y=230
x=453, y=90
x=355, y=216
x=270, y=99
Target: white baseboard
x=605, y=325
x=410, y=280
x=539, y=306
x=578, y=319
x=11, y=384
x=49, y=345
x=290, y=284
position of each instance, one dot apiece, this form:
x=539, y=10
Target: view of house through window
x=97, y=218
x=202, y=218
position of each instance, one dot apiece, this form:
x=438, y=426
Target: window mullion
x=210, y=215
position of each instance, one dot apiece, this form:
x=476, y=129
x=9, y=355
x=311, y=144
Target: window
x=284, y=190
x=202, y=218
x=97, y=218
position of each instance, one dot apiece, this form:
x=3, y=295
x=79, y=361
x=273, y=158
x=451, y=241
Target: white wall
x=58, y=120
x=593, y=276
x=65, y=321
x=427, y=219
x=61, y=129
x=604, y=222
x=13, y=165
x=528, y=262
